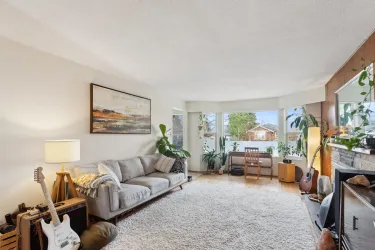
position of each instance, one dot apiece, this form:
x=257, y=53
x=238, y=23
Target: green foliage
x=302, y=122
x=344, y=118
x=363, y=111
x=210, y=158
x=285, y=150
x=168, y=149
x=235, y=146
x=270, y=149
x=239, y=123
x=223, y=153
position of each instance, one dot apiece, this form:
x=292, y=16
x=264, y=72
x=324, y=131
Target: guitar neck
x=51, y=207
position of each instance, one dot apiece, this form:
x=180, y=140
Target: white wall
x=46, y=97
x=274, y=103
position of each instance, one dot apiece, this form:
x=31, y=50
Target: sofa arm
x=107, y=200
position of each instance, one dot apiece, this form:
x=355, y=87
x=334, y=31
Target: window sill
x=295, y=158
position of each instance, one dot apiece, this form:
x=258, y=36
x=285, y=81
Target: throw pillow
x=103, y=169
x=178, y=166
x=164, y=164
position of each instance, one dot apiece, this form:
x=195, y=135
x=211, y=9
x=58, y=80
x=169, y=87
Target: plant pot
x=221, y=171
x=287, y=161
x=370, y=142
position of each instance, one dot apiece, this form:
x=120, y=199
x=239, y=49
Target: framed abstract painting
x=116, y=112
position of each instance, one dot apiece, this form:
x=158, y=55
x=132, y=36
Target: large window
x=251, y=129
x=210, y=131
x=292, y=134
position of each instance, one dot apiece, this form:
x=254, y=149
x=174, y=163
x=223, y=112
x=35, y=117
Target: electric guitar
x=308, y=182
x=60, y=235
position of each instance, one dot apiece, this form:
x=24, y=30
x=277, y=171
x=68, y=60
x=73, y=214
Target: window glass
x=209, y=131
x=178, y=132
x=292, y=134
x=251, y=129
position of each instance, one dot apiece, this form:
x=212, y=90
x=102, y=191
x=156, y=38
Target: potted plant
x=168, y=149
x=284, y=150
x=235, y=146
x=302, y=122
x=270, y=150
x=223, y=154
x=210, y=158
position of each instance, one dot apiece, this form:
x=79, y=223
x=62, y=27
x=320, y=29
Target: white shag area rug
x=218, y=216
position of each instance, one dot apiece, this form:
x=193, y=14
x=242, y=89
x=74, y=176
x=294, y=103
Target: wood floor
x=264, y=182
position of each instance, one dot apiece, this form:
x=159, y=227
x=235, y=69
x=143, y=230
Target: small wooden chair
x=252, y=160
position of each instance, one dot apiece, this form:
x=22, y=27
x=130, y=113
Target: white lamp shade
x=61, y=151
x=312, y=144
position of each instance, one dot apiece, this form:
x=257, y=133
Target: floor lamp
x=313, y=142
x=62, y=151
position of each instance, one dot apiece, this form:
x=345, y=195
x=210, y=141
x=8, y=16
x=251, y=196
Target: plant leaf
x=163, y=128
x=363, y=93
x=362, y=77
x=314, y=121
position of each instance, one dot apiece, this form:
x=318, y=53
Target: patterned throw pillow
x=164, y=164
x=178, y=166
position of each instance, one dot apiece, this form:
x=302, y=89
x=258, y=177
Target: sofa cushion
x=132, y=194
x=153, y=183
x=148, y=162
x=114, y=166
x=173, y=178
x=164, y=164
x=131, y=168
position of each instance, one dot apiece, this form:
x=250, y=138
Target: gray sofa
x=140, y=182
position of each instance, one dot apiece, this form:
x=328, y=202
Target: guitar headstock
x=38, y=175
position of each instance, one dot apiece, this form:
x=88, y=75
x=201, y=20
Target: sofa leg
x=115, y=221
x=181, y=187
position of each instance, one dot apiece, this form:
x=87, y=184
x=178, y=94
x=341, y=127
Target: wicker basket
x=8, y=241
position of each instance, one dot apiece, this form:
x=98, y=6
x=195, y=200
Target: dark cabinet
x=357, y=215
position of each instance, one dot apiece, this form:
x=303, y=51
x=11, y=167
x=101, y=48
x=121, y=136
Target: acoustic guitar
x=309, y=182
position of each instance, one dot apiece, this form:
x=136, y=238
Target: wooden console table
x=231, y=154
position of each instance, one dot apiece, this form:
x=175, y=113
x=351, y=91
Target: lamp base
x=59, y=189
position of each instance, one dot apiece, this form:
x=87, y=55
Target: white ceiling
x=214, y=50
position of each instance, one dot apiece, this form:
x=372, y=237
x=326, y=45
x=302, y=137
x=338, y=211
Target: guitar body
x=61, y=236
x=309, y=182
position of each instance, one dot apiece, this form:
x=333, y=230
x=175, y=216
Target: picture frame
x=117, y=112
